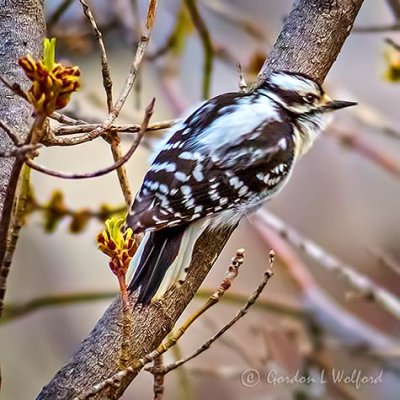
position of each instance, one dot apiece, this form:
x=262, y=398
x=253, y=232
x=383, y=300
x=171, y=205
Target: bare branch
x=323, y=18
x=103, y=129
x=105, y=69
x=243, y=87
x=10, y=132
x=142, y=46
x=321, y=308
x=361, y=283
x=238, y=19
x=58, y=13
x=158, y=385
x=377, y=28
x=121, y=170
x=243, y=311
x=20, y=151
x=113, y=138
x=15, y=88
x=65, y=119
x=100, y=172
x=13, y=311
x=386, y=260
x=392, y=43
x=207, y=45
x=173, y=338
x=82, y=128
x=395, y=7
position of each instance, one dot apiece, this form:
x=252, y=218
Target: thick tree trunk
x=310, y=41
x=22, y=30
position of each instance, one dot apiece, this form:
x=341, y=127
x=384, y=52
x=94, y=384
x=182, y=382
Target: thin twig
x=142, y=46
x=392, y=43
x=54, y=140
x=58, y=13
x=377, y=28
x=238, y=19
x=207, y=45
x=15, y=88
x=10, y=132
x=395, y=7
x=174, y=36
x=105, y=126
x=65, y=119
x=128, y=128
x=266, y=305
x=121, y=171
x=231, y=274
x=123, y=9
x=103, y=171
x=112, y=138
x=183, y=378
x=20, y=151
x=243, y=87
x=158, y=385
x=369, y=289
x=114, y=380
x=14, y=311
x=230, y=342
x=251, y=300
x=386, y=260
x=105, y=68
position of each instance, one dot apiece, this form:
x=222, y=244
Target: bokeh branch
x=310, y=41
x=362, y=284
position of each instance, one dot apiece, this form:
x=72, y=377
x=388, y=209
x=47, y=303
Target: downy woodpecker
x=225, y=160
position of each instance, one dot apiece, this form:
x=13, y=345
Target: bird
x=223, y=161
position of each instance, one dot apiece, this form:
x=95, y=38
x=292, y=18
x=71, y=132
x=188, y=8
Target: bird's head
x=300, y=95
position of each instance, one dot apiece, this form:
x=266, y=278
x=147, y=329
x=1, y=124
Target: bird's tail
x=162, y=260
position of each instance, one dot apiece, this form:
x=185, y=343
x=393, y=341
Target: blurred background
x=344, y=196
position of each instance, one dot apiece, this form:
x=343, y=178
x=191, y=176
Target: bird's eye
x=310, y=98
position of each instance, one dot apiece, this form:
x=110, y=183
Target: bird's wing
x=185, y=183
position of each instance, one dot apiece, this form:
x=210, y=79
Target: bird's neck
x=307, y=128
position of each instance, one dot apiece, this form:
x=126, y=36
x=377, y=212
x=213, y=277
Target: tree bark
x=310, y=41
x=22, y=30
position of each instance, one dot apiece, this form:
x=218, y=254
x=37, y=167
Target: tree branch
x=22, y=29
x=310, y=41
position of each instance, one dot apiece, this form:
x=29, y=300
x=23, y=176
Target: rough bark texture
x=22, y=29
x=310, y=41
x=312, y=37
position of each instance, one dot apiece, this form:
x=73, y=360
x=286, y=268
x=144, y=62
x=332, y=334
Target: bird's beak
x=338, y=104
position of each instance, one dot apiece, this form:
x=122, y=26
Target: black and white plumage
x=223, y=161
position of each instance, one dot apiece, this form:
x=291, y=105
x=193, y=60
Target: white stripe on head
x=297, y=83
